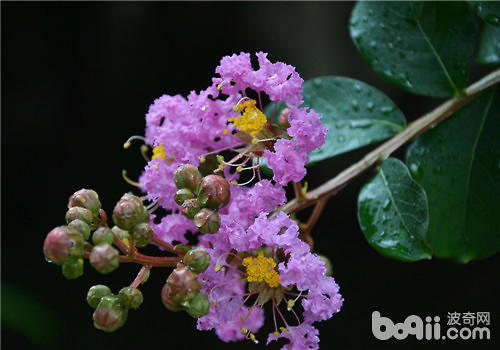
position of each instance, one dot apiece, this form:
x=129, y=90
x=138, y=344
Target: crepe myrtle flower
x=266, y=264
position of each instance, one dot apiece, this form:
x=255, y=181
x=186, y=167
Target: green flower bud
x=131, y=297
x=142, y=234
x=209, y=164
x=198, y=306
x=72, y=268
x=197, y=260
x=122, y=234
x=214, y=192
x=168, y=302
x=79, y=213
x=110, y=314
x=182, y=195
x=207, y=221
x=190, y=207
x=187, y=176
x=182, y=284
x=86, y=199
x=328, y=264
x=59, y=245
x=96, y=293
x=79, y=227
x=102, y=235
x=129, y=212
x=104, y=258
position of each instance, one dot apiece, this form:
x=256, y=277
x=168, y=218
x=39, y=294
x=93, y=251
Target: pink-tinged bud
x=59, y=245
x=190, y=207
x=72, y=268
x=214, y=192
x=207, y=221
x=104, y=258
x=182, y=284
x=79, y=213
x=79, y=227
x=131, y=297
x=86, y=199
x=197, y=260
x=110, y=314
x=129, y=212
x=168, y=302
x=283, y=118
x=102, y=235
x=142, y=234
x=96, y=293
x=187, y=176
x=198, y=306
x=182, y=195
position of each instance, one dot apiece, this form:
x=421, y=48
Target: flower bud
x=214, y=192
x=79, y=213
x=328, y=264
x=197, y=260
x=209, y=165
x=72, y=268
x=79, y=227
x=167, y=302
x=198, y=306
x=142, y=234
x=130, y=297
x=129, y=212
x=102, y=235
x=182, y=284
x=187, y=176
x=207, y=221
x=104, y=258
x=110, y=314
x=182, y=195
x=86, y=199
x=59, y=245
x=190, y=207
x=283, y=118
x=96, y=293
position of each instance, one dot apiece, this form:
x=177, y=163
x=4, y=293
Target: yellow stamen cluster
x=261, y=269
x=159, y=152
x=252, y=120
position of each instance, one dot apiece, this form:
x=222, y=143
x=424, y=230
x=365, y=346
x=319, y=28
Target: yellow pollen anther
x=144, y=148
x=252, y=338
x=215, y=303
x=290, y=304
x=252, y=120
x=221, y=167
x=218, y=267
x=225, y=132
x=234, y=182
x=284, y=330
x=239, y=169
x=276, y=334
x=202, y=159
x=261, y=269
x=126, y=144
x=220, y=159
x=244, y=330
x=159, y=152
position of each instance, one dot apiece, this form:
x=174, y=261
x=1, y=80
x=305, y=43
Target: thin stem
x=167, y=246
x=297, y=189
x=140, y=276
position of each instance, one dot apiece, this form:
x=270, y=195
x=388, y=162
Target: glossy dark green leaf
x=489, y=11
x=458, y=164
x=355, y=113
x=422, y=47
x=393, y=213
x=489, y=49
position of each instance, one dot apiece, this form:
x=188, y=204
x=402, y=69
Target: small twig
x=119, y=243
x=297, y=189
x=167, y=246
x=140, y=276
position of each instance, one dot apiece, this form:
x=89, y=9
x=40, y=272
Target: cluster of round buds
x=111, y=310
x=182, y=290
x=131, y=215
x=201, y=197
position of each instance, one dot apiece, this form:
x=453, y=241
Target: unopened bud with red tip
x=207, y=221
x=96, y=293
x=187, y=176
x=102, y=235
x=182, y=195
x=59, y=245
x=190, y=207
x=214, y=192
x=168, y=302
x=72, y=268
x=198, y=306
x=197, y=260
x=104, y=258
x=86, y=199
x=182, y=284
x=79, y=227
x=142, y=234
x=79, y=213
x=131, y=297
x=110, y=314
x=129, y=212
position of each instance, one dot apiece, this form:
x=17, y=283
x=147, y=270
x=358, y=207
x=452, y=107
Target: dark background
x=77, y=80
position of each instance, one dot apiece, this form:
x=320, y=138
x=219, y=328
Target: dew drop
x=386, y=203
x=341, y=138
x=369, y=105
x=317, y=82
x=362, y=124
x=386, y=109
x=416, y=171
x=373, y=44
x=355, y=105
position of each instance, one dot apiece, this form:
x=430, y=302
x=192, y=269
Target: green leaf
x=423, y=47
x=489, y=49
x=393, y=213
x=458, y=164
x=489, y=11
x=355, y=113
